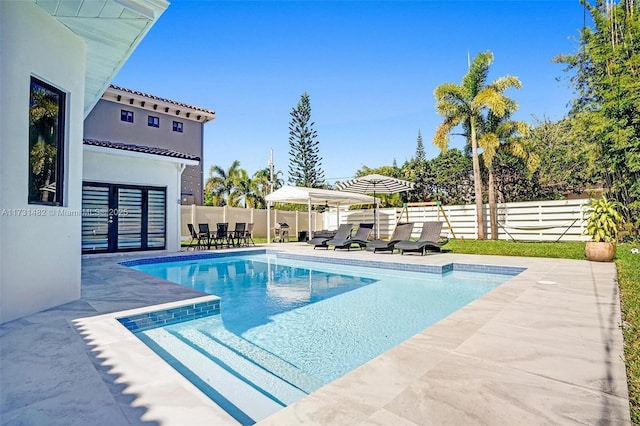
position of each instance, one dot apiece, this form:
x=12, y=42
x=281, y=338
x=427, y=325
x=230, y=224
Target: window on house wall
x=154, y=121
x=126, y=116
x=47, y=106
x=177, y=126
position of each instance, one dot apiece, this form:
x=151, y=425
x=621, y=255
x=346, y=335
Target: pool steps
x=283, y=369
x=232, y=368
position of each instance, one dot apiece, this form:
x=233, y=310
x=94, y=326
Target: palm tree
x=221, y=183
x=263, y=184
x=503, y=134
x=245, y=188
x=464, y=104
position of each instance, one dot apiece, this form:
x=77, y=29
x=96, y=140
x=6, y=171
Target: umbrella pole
x=375, y=213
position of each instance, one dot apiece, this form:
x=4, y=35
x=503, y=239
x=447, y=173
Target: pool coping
x=431, y=269
x=399, y=386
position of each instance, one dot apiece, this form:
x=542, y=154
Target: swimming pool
x=288, y=325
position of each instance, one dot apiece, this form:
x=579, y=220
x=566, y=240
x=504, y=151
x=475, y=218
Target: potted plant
x=603, y=218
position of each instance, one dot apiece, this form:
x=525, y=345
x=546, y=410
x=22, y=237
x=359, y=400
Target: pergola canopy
x=302, y=195
x=315, y=196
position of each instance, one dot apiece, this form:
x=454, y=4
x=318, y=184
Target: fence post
x=194, y=215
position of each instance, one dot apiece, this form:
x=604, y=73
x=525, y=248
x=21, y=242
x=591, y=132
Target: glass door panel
x=156, y=221
x=95, y=220
x=129, y=216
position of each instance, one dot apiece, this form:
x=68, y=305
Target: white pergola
x=314, y=196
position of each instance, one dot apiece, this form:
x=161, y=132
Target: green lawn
x=629, y=281
x=568, y=250
x=628, y=266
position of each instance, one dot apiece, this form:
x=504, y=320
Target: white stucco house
x=57, y=58
x=131, y=197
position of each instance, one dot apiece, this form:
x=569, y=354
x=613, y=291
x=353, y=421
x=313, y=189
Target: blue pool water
x=288, y=326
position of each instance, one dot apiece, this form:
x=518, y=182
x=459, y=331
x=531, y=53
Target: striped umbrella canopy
x=375, y=184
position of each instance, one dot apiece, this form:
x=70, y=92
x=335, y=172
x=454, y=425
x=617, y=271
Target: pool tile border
x=185, y=257
x=432, y=269
x=154, y=319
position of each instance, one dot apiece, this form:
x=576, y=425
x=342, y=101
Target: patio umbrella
x=375, y=184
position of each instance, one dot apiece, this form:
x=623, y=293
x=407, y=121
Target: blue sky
x=370, y=69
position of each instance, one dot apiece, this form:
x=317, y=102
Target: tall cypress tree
x=304, y=152
x=419, y=173
x=420, y=153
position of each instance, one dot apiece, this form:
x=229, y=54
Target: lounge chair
x=360, y=238
x=401, y=233
x=343, y=233
x=429, y=240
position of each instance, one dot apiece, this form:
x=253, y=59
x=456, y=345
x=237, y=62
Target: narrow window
x=46, y=143
x=126, y=116
x=177, y=126
x=154, y=121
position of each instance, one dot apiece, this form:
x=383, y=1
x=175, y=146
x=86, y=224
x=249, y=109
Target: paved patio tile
x=468, y=390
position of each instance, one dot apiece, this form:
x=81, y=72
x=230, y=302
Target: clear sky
x=370, y=69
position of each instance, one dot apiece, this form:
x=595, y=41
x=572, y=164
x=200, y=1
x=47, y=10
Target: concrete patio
x=543, y=348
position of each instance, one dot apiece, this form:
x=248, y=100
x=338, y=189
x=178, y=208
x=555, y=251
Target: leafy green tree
x=304, y=152
x=262, y=182
x=500, y=133
x=606, y=77
x=514, y=182
x=245, y=189
x=463, y=104
x=221, y=185
x=452, y=174
x=568, y=158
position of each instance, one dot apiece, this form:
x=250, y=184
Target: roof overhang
x=302, y=195
x=142, y=155
x=111, y=30
x=154, y=103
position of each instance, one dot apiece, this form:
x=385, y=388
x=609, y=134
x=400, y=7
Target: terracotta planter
x=600, y=251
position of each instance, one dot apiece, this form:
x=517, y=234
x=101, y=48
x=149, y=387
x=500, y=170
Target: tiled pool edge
x=193, y=256
x=160, y=318
x=432, y=269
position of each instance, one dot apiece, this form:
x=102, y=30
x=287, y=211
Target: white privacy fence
x=524, y=221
